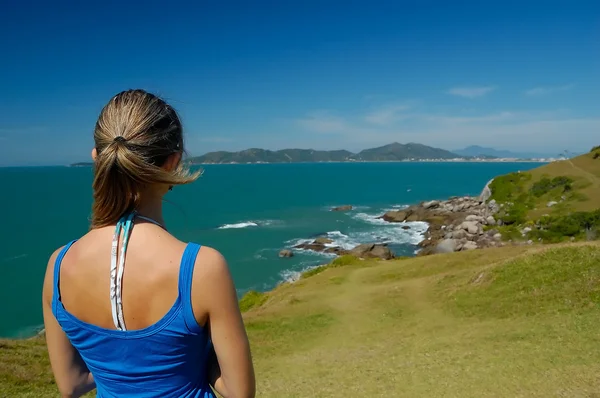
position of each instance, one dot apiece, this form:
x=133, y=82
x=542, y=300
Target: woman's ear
x=94, y=154
x=172, y=161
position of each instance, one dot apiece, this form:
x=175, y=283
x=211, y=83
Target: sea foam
x=250, y=224
x=239, y=225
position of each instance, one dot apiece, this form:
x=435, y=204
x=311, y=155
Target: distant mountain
x=256, y=155
x=391, y=152
x=478, y=151
x=398, y=151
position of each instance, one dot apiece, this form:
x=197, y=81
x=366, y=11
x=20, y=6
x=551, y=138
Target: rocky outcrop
x=367, y=250
x=342, y=208
x=286, y=253
x=455, y=224
x=487, y=192
x=372, y=250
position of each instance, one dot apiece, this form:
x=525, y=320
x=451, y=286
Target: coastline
x=457, y=160
x=358, y=229
x=544, y=161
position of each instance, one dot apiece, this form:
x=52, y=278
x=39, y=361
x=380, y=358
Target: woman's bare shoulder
x=210, y=261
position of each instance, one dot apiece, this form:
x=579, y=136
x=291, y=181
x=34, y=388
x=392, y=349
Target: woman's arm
x=231, y=370
x=70, y=372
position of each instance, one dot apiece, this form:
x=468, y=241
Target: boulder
x=323, y=241
x=395, y=216
x=372, y=250
x=473, y=217
x=469, y=245
x=459, y=234
x=342, y=208
x=526, y=230
x=431, y=204
x=335, y=250
x=317, y=247
x=552, y=203
x=286, y=253
x=405, y=227
x=413, y=217
x=490, y=220
x=470, y=226
x=446, y=246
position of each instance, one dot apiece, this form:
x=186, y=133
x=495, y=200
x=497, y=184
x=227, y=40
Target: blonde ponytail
x=134, y=136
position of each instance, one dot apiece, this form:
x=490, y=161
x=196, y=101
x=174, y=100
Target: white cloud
x=538, y=91
x=471, y=92
x=322, y=122
x=547, y=131
x=386, y=115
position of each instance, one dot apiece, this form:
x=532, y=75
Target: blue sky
x=321, y=74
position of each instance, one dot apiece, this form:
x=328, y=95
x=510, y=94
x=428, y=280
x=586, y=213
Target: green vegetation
x=337, y=262
x=545, y=185
x=252, y=299
x=579, y=225
x=559, y=200
x=509, y=187
x=392, y=152
x=502, y=322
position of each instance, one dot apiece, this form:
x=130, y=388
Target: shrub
x=508, y=187
x=578, y=224
x=545, y=185
x=515, y=215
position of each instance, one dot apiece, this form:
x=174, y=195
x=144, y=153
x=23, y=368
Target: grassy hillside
x=558, y=200
x=518, y=321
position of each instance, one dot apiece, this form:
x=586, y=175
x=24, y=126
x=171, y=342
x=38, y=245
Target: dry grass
x=510, y=322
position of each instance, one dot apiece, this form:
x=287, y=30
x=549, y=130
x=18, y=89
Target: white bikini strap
x=113, y=273
x=118, y=267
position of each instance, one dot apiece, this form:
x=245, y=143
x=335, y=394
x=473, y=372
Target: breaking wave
x=250, y=224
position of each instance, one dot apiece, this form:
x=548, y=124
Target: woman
x=149, y=316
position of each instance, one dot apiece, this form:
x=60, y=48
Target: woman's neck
x=152, y=208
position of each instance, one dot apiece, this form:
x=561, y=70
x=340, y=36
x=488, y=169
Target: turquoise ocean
x=248, y=212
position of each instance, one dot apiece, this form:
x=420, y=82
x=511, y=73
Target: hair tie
x=119, y=139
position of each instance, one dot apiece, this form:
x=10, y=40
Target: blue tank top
x=167, y=359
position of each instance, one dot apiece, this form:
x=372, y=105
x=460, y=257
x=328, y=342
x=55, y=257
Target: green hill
x=392, y=152
x=558, y=200
x=396, y=152
x=506, y=322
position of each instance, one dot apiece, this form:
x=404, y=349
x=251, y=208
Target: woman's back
x=175, y=346
x=148, y=316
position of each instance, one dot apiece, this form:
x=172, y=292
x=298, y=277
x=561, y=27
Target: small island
x=82, y=164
